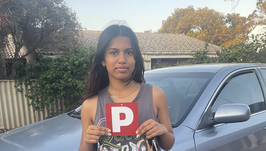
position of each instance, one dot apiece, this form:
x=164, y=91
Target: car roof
x=212, y=68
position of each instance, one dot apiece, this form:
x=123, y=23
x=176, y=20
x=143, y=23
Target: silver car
x=219, y=107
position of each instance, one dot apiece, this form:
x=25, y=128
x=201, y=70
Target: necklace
x=123, y=96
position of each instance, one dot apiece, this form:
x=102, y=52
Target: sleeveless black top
x=127, y=143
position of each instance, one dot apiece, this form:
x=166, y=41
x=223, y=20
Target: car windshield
x=182, y=91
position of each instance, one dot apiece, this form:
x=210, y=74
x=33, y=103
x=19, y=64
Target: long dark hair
x=98, y=76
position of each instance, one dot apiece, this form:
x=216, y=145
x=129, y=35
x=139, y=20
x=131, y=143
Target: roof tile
x=153, y=43
x=150, y=43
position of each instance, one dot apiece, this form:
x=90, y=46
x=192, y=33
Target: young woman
x=116, y=75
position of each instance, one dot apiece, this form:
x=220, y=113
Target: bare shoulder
x=88, y=109
x=158, y=95
x=157, y=90
x=90, y=102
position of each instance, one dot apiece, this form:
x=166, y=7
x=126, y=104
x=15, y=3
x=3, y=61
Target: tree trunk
x=2, y=65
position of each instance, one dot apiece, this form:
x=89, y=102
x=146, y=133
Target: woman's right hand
x=94, y=132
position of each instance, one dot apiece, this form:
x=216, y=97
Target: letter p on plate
x=122, y=125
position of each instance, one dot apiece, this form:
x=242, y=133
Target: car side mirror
x=230, y=113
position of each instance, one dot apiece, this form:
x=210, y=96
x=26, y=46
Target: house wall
x=14, y=109
x=158, y=61
x=147, y=62
x=32, y=56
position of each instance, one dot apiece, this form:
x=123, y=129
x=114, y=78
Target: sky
x=143, y=15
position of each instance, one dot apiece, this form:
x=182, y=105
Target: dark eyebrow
x=118, y=49
x=113, y=49
x=129, y=49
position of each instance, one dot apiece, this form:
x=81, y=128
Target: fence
x=14, y=107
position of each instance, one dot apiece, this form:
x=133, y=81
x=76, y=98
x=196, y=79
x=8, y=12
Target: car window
x=181, y=90
x=243, y=88
x=189, y=87
x=263, y=72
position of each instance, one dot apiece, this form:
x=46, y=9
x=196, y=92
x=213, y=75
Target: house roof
x=9, y=50
x=161, y=44
x=150, y=44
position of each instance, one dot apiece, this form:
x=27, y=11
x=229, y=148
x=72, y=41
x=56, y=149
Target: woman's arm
x=167, y=139
x=163, y=129
x=90, y=133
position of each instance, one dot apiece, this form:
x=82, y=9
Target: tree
x=243, y=52
x=169, y=26
x=37, y=25
x=260, y=13
x=208, y=25
x=238, y=28
x=148, y=31
x=56, y=79
x=235, y=3
x=2, y=65
x=2, y=45
x=201, y=56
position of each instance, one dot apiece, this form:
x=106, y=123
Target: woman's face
x=119, y=59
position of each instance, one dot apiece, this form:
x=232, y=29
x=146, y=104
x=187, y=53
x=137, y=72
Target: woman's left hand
x=151, y=129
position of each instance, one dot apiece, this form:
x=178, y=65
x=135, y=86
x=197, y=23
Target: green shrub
x=55, y=79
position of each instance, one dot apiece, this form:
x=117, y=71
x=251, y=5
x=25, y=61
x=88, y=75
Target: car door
x=240, y=87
